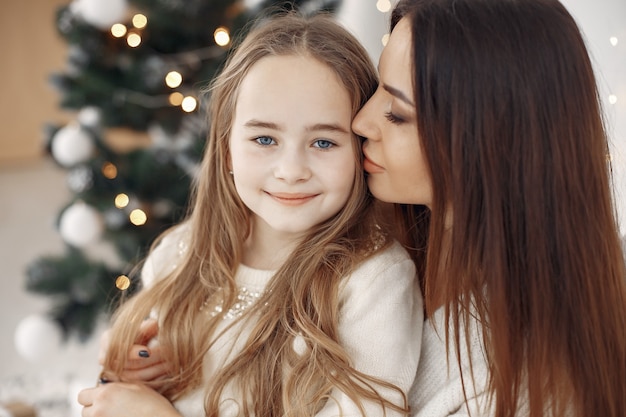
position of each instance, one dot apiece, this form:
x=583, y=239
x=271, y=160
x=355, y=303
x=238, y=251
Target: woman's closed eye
x=394, y=118
x=265, y=140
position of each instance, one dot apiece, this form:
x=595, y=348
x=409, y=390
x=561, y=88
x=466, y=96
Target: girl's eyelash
x=393, y=118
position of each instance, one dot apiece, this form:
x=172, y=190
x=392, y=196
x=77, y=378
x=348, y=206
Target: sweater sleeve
x=380, y=326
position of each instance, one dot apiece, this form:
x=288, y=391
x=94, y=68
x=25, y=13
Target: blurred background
x=80, y=102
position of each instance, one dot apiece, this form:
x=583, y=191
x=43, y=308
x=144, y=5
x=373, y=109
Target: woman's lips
x=371, y=167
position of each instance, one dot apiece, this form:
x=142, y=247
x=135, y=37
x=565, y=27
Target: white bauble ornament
x=89, y=116
x=252, y=4
x=81, y=225
x=101, y=13
x=37, y=337
x=72, y=145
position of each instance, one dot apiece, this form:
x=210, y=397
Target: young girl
x=280, y=295
x=487, y=131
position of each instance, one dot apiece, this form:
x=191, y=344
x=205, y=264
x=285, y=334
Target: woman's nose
x=362, y=124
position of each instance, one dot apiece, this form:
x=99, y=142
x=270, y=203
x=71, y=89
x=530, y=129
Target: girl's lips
x=371, y=167
x=292, y=199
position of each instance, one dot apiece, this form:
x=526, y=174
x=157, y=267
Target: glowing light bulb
x=383, y=6
x=138, y=217
x=176, y=98
x=385, y=39
x=118, y=30
x=612, y=99
x=222, y=37
x=133, y=40
x=189, y=104
x=140, y=21
x=121, y=200
x=122, y=282
x=173, y=79
x=613, y=40
x=109, y=170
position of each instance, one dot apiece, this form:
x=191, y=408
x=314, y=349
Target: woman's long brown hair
x=302, y=298
x=510, y=122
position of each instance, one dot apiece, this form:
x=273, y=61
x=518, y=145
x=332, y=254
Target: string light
x=121, y=200
x=612, y=99
x=176, y=98
x=221, y=36
x=122, y=282
x=613, y=40
x=118, y=30
x=173, y=79
x=133, y=40
x=383, y=6
x=189, y=104
x=385, y=39
x=109, y=170
x=140, y=21
x=138, y=217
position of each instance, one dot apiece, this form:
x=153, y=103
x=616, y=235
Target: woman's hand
x=145, y=362
x=124, y=399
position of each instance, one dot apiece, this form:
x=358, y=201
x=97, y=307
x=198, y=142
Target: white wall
x=599, y=20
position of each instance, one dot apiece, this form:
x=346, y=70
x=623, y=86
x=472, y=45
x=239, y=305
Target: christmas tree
x=135, y=69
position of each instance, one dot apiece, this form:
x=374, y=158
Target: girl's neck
x=267, y=250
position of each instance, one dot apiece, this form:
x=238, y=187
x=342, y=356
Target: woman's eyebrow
x=398, y=94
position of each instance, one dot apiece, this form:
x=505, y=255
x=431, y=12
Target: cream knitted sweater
x=380, y=324
x=437, y=390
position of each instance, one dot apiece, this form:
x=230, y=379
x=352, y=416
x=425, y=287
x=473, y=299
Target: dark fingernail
x=103, y=380
x=144, y=353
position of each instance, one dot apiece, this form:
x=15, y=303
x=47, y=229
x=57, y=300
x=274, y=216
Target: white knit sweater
x=438, y=390
x=380, y=324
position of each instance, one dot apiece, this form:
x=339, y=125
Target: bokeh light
x=222, y=37
x=109, y=170
x=138, y=217
x=122, y=282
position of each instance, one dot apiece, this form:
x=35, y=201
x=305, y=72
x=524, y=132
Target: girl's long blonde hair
x=510, y=121
x=302, y=298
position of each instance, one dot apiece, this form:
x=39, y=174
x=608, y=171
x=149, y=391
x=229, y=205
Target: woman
x=486, y=130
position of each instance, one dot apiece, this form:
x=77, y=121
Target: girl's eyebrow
x=260, y=124
x=398, y=94
x=328, y=127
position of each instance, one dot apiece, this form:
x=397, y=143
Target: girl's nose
x=292, y=166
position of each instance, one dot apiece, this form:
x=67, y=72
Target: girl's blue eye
x=264, y=140
x=323, y=144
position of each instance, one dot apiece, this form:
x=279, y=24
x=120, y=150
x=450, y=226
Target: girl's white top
x=380, y=326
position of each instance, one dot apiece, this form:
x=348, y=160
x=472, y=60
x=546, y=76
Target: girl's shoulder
x=166, y=254
x=391, y=253
x=389, y=265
